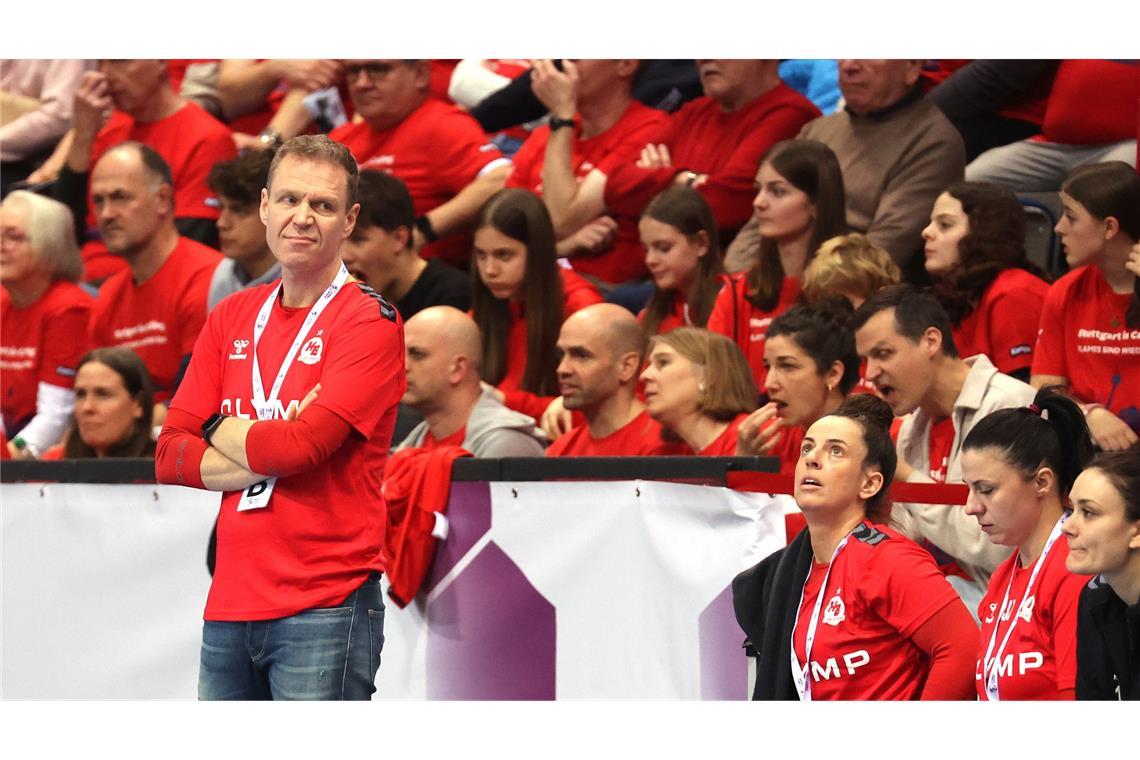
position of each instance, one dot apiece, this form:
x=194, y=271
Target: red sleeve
x=66, y=333
x=950, y=638
x=178, y=454
x=904, y=587
x=526, y=158
x=1049, y=353
x=462, y=150
x=1065, y=629
x=192, y=308
x=280, y=448
x=579, y=291
x=190, y=199
x=1014, y=317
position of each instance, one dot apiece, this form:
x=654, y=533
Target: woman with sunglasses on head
x=1019, y=465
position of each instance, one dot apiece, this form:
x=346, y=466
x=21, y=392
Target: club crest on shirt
x=239, y=349
x=312, y=350
x=993, y=609
x=1025, y=611
x=834, y=613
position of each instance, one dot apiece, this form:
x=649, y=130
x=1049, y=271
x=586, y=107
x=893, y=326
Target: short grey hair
x=51, y=233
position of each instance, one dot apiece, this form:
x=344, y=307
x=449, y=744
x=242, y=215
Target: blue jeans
x=323, y=653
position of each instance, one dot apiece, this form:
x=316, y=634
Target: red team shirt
x=436, y=151
x=726, y=146
x=40, y=343
x=191, y=141
x=751, y=326
x=161, y=318
x=323, y=529
x=620, y=144
x=1083, y=337
x=1004, y=324
x=1040, y=660
x=641, y=437
x=880, y=591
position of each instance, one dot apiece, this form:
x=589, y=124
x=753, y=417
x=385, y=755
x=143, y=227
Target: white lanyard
x=990, y=666
x=263, y=405
x=800, y=672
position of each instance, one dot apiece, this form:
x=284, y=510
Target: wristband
x=557, y=123
x=210, y=426
x=423, y=224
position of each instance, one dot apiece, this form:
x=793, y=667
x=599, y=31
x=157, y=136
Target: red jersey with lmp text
x=40, y=343
x=579, y=294
x=161, y=318
x=1083, y=337
x=323, y=530
x=191, y=141
x=724, y=445
x=621, y=143
x=750, y=328
x=1040, y=659
x=640, y=437
x=436, y=151
x=727, y=146
x=1004, y=324
x=881, y=589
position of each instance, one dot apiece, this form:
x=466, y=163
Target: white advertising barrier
x=542, y=591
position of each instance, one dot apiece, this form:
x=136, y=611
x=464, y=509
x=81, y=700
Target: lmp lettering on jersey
x=1026, y=661
x=243, y=409
x=829, y=668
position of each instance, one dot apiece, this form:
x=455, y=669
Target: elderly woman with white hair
x=43, y=321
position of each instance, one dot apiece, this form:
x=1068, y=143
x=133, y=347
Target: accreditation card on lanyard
x=800, y=672
x=257, y=495
x=990, y=663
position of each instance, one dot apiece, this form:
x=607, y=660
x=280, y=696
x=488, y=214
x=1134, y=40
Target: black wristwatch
x=556, y=123
x=423, y=224
x=210, y=426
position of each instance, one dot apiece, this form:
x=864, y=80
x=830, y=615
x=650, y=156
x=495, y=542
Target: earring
x=701, y=387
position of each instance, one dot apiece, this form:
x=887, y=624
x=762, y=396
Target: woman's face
x=948, y=225
x=793, y=381
x=1082, y=234
x=672, y=385
x=783, y=210
x=1004, y=501
x=105, y=411
x=17, y=261
x=671, y=257
x=1101, y=537
x=830, y=473
x=501, y=261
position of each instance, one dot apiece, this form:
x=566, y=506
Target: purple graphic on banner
x=724, y=667
x=469, y=516
x=490, y=634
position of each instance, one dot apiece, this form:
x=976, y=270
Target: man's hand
x=558, y=90
x=1109, y=432
x=593, y=237
x=293, y=412
x=1133, y=262
x=92, y=104
x=556, y=420
x=655, y=157
x=311, y=75
x=759, y=433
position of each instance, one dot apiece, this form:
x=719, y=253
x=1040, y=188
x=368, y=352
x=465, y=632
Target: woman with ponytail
x=1089, y=340
x=1019, y=465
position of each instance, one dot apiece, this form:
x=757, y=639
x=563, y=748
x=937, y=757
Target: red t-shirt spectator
x=640, y=437
x=436, y=151
x=40, y=343
x=161, y=318
x=323, y=529
x=1004, y=324
x=1083, y=337
x=726, y=146
x=750, y=327
x=455, y=439
x=621, y=143
x=724, y=445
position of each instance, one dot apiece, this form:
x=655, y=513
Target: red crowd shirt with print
x=750, y=327
x=640, y=437
x=1004, y=324
x=727, y=146
x=436, y=151
x=40, y=343
x=1083, y=337
x=161, y=318
x=881, y=589
x=621, y=143
x=323, y=530
x=1040, y=659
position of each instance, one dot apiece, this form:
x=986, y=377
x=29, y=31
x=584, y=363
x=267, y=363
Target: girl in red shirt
x=521, y=295
x=851, y=609
x=799, y=204
x=698, y=386
x=811, y=366
x=682, y=254
x=1089, y=337
x=1020, y=465
x=975, y=252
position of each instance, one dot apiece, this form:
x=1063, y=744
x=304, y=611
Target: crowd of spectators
x=642, y=258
